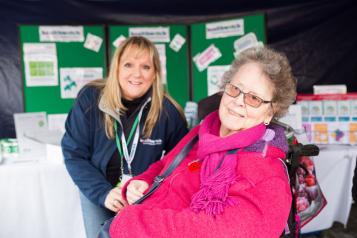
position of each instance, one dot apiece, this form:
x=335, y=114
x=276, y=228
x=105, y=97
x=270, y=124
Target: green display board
x=214, y=44
x=174, y=61
x=57, y=61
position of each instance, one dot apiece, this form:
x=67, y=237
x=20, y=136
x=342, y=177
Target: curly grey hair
x=276, y=67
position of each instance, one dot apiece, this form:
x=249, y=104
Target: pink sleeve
x=261, y=211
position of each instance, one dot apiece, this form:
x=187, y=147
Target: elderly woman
x=232, y=183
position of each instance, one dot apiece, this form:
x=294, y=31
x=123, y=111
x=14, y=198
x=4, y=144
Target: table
x=39, y=200
x=334, y=170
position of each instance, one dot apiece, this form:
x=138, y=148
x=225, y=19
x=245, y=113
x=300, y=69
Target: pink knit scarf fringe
x=212, y=196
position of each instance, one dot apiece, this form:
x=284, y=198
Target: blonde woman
x=117, y=128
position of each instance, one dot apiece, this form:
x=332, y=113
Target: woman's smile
x=135, y=82
x=233, y=113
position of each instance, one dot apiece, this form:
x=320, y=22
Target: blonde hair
x=110, y=88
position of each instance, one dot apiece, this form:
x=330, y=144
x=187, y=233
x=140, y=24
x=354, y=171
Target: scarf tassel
x=213, y=194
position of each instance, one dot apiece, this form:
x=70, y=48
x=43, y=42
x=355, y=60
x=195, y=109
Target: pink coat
x=261, y=192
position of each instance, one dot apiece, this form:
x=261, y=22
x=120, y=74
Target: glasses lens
x=232, y=90
x=252, y=100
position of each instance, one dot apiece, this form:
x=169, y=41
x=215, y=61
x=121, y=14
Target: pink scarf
x=215, y=182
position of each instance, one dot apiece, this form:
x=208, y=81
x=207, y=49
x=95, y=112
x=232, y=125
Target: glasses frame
x=244, y=96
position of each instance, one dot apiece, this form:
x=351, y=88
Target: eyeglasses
x=249, y=99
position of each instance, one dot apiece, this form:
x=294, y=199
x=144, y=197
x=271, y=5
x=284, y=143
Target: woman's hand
x=114, y=200
x=135, y=190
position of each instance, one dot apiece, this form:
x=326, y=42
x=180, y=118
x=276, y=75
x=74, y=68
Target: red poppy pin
x=194, y=165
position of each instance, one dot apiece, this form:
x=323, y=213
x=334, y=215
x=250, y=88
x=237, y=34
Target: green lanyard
x=119, y=144
x=123, y=144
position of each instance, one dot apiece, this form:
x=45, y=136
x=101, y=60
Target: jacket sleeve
x=260, y=211
x=77, y=147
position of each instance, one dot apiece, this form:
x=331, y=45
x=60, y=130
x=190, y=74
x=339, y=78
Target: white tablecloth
x=39, y=200
x=334, y=169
